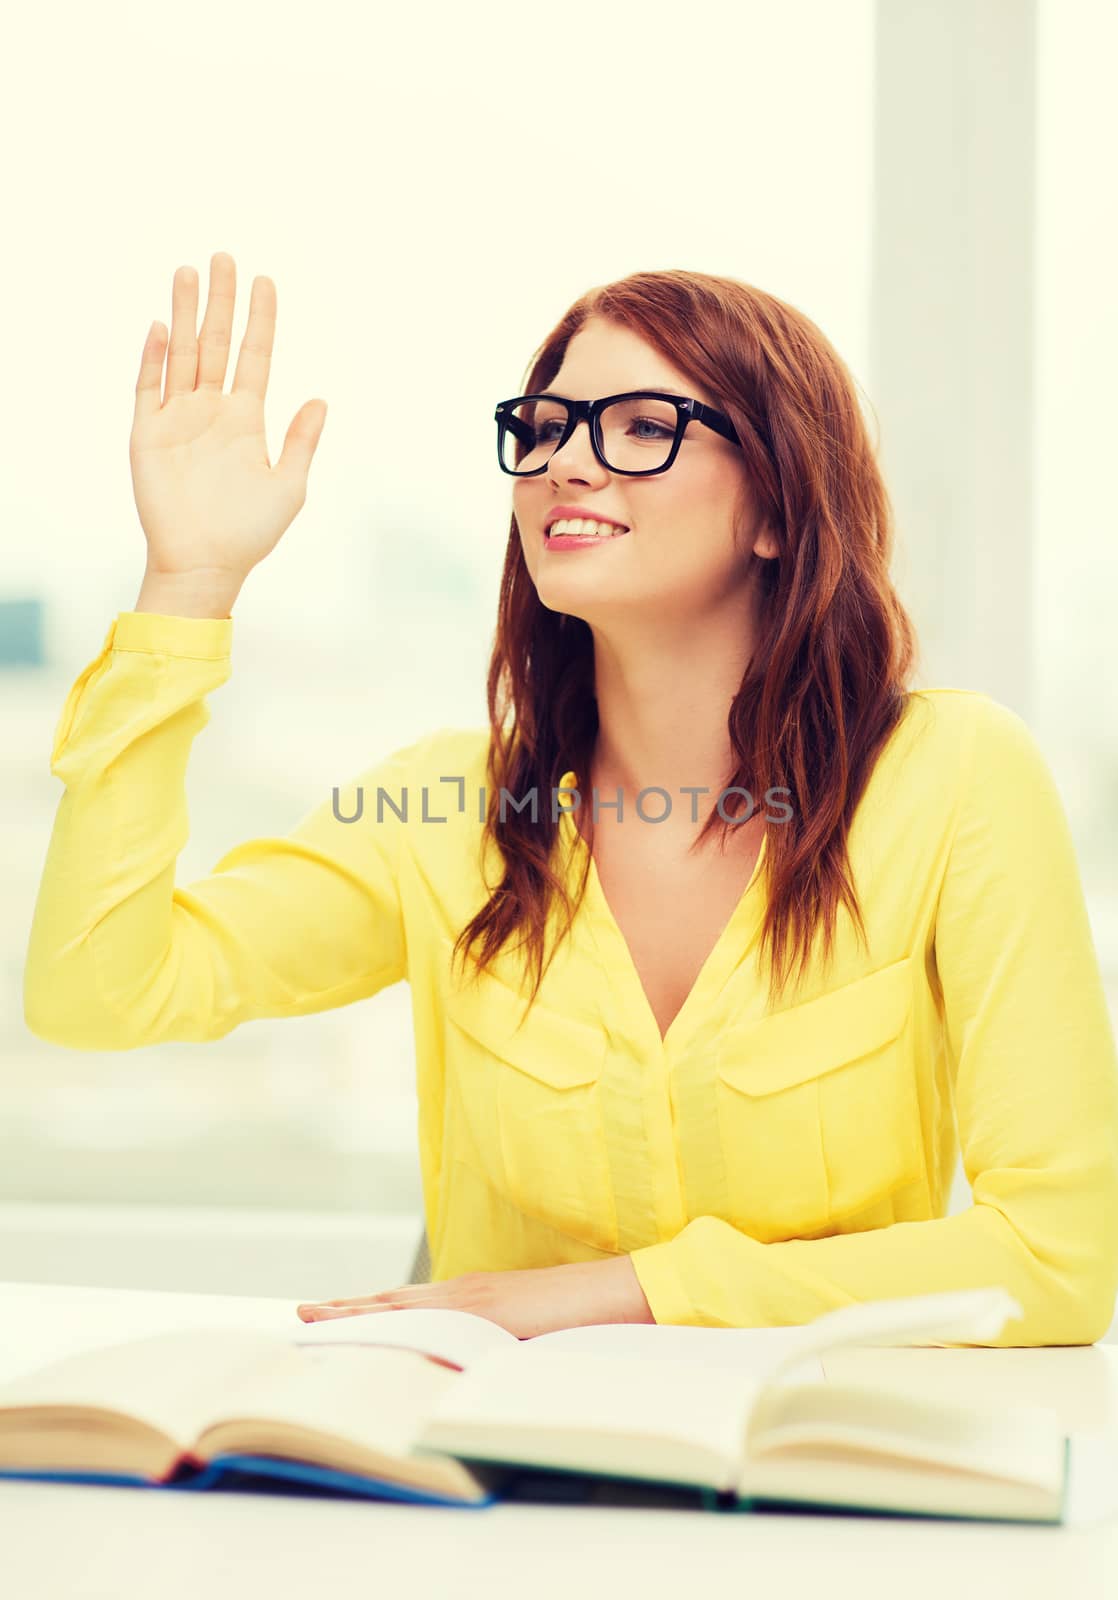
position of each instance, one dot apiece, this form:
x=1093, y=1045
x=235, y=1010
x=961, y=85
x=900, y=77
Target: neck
x=663, y=707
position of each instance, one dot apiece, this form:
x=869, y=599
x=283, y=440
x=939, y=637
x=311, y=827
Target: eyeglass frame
x=589, y=411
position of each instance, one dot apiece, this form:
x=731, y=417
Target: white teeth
x=582, y=528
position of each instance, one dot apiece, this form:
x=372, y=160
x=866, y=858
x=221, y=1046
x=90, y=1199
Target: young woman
x=726, y=940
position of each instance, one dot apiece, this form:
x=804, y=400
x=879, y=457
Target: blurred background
x=429, y=189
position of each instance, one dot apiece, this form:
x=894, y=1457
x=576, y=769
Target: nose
x=582, y=458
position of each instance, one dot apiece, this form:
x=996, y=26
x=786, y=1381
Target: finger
x=182, y=353
x=321, y=1312
x=331, y=1313
x=217, y=325
x=255, y=359
x=332, y=1305
x=354, y=1299
x=324, y=1311
x=150, y=381
x=363, y=1299
x=302, y=439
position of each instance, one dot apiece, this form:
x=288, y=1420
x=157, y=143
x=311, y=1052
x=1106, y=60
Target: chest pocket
x=525, y=1109
x=818, y=1112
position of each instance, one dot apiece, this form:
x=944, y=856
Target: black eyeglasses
x=633, y=434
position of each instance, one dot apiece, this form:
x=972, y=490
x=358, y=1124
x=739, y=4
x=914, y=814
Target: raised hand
x=210, y=503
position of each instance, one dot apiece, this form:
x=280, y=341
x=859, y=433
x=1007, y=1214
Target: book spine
x=719, y=1500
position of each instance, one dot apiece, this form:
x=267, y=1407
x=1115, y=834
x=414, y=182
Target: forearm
x=1054, y=1248
x=103, y=917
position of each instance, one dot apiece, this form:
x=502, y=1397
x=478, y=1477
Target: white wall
x=1076, y=560
x=298, y=1255
x=429, y=188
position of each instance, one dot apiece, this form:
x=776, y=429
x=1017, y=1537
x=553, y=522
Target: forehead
x=605, y=358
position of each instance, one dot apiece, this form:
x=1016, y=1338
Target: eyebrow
x=643, y=388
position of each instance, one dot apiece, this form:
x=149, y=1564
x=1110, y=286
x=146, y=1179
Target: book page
x=375, y=1400
x=755, y=1352
x=181, y=1380
x=862, y=1480
x=963, y=1315
x=458, y=1337
x=593, y=1412
x=169, y=1380
x=73, y=1321
x=1021, y=1444
x=1092, y=1491
x=357, y=1408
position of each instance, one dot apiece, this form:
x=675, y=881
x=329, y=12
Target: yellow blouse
x=759, y=1169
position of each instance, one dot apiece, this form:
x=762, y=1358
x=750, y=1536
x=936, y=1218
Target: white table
x=79, y=1541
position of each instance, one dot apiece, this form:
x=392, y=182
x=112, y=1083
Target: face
x=679, y=561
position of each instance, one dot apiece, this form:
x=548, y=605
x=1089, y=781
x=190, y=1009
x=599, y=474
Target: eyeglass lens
x=636, y=436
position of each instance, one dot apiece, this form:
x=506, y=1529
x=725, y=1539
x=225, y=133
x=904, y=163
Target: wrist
x=624, y=1297
x=189, y=594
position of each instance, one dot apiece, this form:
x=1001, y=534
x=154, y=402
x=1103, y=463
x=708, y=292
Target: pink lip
x=571, y=541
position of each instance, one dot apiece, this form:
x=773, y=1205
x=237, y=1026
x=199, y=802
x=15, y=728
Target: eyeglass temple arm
x=716, y=420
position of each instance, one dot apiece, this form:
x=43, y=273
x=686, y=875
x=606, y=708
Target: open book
x=448, y=1407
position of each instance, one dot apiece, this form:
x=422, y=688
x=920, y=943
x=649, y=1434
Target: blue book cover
x=269, y=1474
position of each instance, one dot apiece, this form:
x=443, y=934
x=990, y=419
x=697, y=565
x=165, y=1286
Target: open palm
x=208, y=497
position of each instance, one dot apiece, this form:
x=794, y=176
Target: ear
x=765, y=546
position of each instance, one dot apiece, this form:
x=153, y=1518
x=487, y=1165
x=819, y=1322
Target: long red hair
x=826, y=684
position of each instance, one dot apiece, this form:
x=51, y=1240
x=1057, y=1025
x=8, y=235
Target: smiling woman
x=669, y=1117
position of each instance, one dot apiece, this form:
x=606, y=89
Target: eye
x=648, y=422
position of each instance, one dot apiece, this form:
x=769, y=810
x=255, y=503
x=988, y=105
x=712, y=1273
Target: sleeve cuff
x=655, y=1267
x=203, y=638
